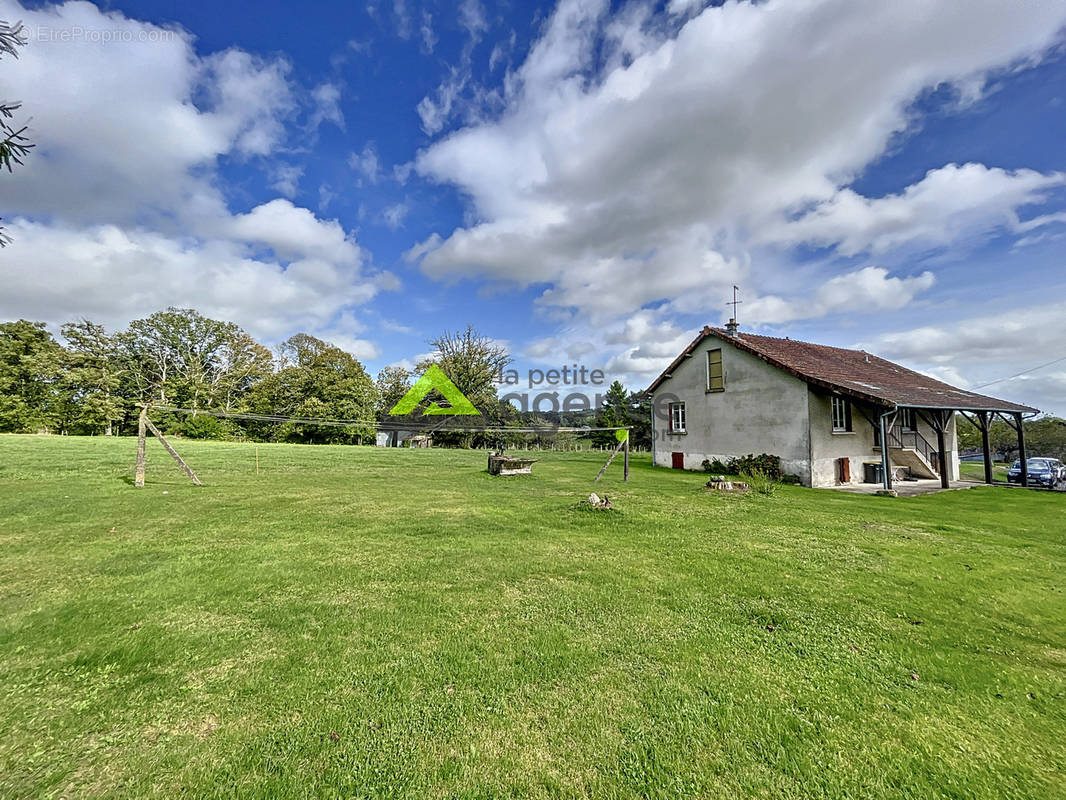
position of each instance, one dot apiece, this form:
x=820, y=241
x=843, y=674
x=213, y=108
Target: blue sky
x=584, y=181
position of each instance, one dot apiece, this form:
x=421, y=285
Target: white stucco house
x=823, y=410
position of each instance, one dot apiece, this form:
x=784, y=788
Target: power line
x=431, y=425
x=1019, y=374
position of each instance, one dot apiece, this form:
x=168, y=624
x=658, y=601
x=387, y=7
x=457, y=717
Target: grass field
x=356, y=622
x=975, y=470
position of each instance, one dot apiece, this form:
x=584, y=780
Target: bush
x=716, y=467
x=203, y=426
x=759, y=482
x=765, y=464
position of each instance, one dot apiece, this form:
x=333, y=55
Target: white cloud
x=395, y=214
x=56, y=272
x=403, y=18
x=118, y=134
x=867, y=289
x=363, y=349
x=286, y=178
x=970, y=352
x=294, y=233
x=693, y=137
x=366, y=164
x=949, y=204
x=435, y=112
x=472, y=17
x=429, y=37
x=120, y=211
x=326, y=97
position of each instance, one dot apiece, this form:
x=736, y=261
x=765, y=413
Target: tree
x=318, y=381
x=472, y=362
x=613, y=413
x=180, y=357
x=640, y=419
x=242, y=362
x=29, y=369
x=1045, y=436
x=392, y=384
x=92, y=376
x=14, y=146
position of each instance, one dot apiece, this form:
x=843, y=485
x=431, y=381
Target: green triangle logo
x=434, y=378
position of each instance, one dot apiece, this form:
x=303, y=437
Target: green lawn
x=360, y=622
x=975, y=471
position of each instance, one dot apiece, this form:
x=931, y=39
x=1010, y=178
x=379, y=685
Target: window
x=715, y=376
x=677, y=418
x=841, y=414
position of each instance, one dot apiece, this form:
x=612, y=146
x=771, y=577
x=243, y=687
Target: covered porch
x=906, y=439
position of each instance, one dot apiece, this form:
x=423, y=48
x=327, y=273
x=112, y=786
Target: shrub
x=759, y=482
x=203, y=426
x=715, y=467
x=765, y=464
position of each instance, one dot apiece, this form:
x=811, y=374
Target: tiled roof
x=852, y=372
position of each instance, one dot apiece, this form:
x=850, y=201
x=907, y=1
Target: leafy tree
x=180, y=357
x=92, y=376
x=1045, y=436
x=242, y=362
x=30, y=361
x=640, y=419
x=392, y=384
x=472, y=362
x=613, y=413
x=318, y=380
x=14, y=146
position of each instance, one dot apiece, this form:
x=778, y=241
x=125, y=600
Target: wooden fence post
x=138, y=479
x=609, y=460
x=171, y=450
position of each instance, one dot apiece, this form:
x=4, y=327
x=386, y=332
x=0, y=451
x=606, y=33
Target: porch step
x=913, y=460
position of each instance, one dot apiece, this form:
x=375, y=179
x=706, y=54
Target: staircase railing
x=912, y=440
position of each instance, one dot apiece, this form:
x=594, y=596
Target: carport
x=974, y=408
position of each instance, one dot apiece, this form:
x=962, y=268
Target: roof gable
x=851, y=372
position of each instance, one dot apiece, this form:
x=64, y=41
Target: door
x=677, y=460
x=844, y=470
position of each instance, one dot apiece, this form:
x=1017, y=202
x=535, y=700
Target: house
x=823, y=410
x=394, y=437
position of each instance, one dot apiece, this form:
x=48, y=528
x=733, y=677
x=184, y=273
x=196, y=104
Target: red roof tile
x=851, y=372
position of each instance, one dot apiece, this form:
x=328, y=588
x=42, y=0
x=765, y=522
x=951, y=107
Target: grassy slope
x=469, y=636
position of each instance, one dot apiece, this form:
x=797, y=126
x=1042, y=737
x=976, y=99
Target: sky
x=584, y=181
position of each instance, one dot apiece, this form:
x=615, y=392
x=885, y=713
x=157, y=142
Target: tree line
x=94, y=382
x=1045, y=436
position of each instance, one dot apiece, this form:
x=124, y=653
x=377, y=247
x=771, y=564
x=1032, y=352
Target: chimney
x=732, y=328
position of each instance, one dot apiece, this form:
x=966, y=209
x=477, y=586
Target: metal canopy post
x=886, y=461
x=986, y=447
x=941, y=423
x=1021, y=448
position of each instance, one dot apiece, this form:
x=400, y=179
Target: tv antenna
x=735, y=302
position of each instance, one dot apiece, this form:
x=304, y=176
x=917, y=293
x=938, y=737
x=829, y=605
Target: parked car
x=1056, y=464
x=1042, y=472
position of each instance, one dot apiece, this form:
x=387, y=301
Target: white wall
x=827, y=446
x=761, y=410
